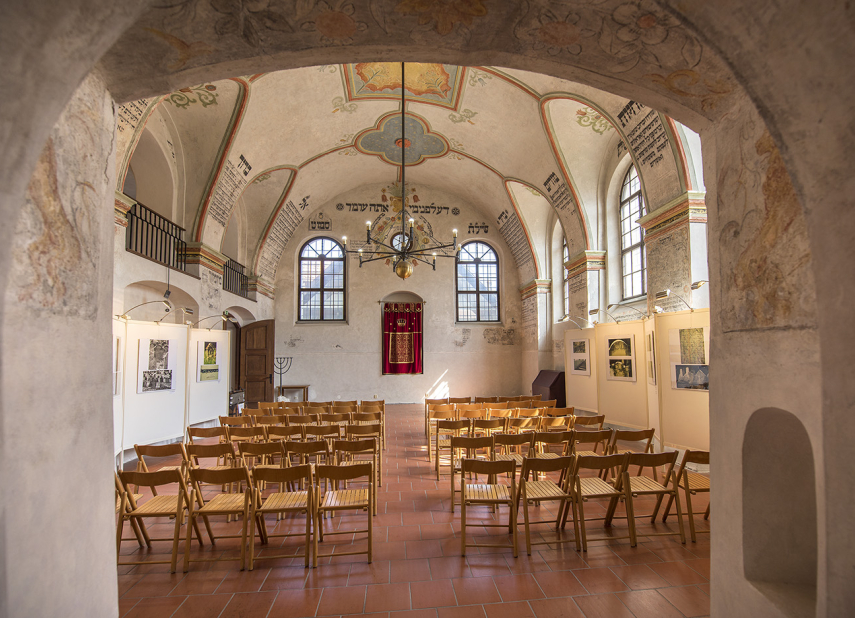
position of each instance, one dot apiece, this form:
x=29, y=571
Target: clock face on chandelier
x=401, y=242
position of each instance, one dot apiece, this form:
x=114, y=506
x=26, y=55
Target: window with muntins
x=632, y=254
x=477, y=283
x=321, y=291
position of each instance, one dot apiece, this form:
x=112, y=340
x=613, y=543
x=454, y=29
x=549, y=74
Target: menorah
x=281, y=365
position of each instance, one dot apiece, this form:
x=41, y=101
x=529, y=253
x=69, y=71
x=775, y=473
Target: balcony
x=155, y=238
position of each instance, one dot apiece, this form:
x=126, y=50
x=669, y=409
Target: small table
x=291, y=393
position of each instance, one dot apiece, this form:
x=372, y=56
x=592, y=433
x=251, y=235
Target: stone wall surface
x=55, y=446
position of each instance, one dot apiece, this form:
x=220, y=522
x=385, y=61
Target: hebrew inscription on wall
x=289, y=217
x=230, y=184
x=512, y=231
x=648, y=140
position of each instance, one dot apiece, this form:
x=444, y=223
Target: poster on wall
x=580, y=357
x=156, y=365
x=620, y=356
x=209, y=370
x=651, y=359
x=688, y=349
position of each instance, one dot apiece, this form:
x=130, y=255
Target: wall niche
x=779, y=534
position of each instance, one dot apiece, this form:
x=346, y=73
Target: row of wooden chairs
x=572, y=489
x=524, y=401
x=311, y=499
x=320, y=404
x=270, y=415
x=246, y=426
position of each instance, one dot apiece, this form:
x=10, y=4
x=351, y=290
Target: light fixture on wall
x=613, y=305
x=658, y=309
x=185, y=311
x=401, y=249
x=224, y=316
x=699, y=284
x=579, y=317
x=166, y=303
x=668, y=293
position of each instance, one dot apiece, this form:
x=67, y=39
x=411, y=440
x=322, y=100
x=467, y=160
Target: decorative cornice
x=534, y=287
x=585, y=261
x=121, y=207
x=259, y=285
x=198, y=254
x=687, y=208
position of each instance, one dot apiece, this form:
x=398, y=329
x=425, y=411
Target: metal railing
x=156, y=238
x=235, y=279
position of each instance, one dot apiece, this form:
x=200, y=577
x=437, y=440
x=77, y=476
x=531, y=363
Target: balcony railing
x=235, y=279
x=156, y=238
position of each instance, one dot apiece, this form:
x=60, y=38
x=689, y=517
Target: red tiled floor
x=418, y=570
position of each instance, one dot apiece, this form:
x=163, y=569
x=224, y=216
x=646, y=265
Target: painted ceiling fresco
x=271, y=149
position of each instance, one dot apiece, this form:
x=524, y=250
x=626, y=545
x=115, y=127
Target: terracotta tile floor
x=418, y=571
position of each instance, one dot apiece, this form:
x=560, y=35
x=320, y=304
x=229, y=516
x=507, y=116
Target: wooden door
x=256, y=361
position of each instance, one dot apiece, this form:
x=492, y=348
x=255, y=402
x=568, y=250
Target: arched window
x=477, y=283
x=565, y=257
x=321, y=291
x=632, y=255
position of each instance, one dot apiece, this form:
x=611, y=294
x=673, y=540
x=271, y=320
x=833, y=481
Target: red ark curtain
x=402, y=338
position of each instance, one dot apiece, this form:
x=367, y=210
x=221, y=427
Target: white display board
x=581, y=388
x=208, y=399
x=623, y=399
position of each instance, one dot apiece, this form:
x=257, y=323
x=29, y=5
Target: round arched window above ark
x=321, y=291
x=477, y=283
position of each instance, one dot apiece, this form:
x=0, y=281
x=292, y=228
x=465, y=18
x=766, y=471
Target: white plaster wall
x=344, y=360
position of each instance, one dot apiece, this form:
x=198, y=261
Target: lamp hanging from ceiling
x=402, y=248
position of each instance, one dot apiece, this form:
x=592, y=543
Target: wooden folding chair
x=472, y=414
x=528, y=413
x=531, y=397
x=291, y=405
x=370, y=418
x=337, y=419
x=692, y=484
x=468, y=407
x=302, y=420
x=487, y=494
x=328, y=433
x=445, y=430
x=256, y=433
x=353, y=402
x=235, y=421
x=267, y=421
x=428, y=404
x=223, y=451
x=543, y=441
x=466, y=447
x=445, y=412
x=254, y=414
x=200, y=433
x=558, y=412
x=341, y=500
x=534, y=491
x=646, y=486
x=549, y=403
x=502, y=413
x=284, y=434
x=556, y=423
x=265, y=405
x=339, y=409
x=644, y=438
x=501, y=399
x=587, y=488
x=591, y=439
x=587, y=420
x=257, y=455
x=459, y=400
x=487, y=426
x=523, y=424
x=307, y=451
x=221, y=504
x=505, y=442
x=279, y=503
x=122, y=505
x=159, y=451
x=486, y=400
x=171, y=506
x=351, y=453
x=369, y=431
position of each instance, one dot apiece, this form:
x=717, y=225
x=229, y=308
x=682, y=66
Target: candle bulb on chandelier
x=368, y=225
x=344, y=239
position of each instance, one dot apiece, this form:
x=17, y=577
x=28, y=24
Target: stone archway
x=754, y=143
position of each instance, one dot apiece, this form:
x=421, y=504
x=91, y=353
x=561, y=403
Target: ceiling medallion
x=403, y=252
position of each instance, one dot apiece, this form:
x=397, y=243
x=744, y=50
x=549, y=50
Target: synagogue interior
x=426, y=308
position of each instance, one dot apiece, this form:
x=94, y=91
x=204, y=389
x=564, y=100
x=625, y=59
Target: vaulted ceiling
x=256, y=151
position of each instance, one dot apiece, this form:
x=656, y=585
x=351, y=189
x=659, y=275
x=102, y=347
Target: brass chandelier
x=401, y=249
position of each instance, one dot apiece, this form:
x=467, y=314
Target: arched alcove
x=153, y=181
x=146, y=291
x=779, y=528
x=244, y=316
x=402, y=297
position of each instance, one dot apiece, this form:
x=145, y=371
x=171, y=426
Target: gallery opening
x=427, y=308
